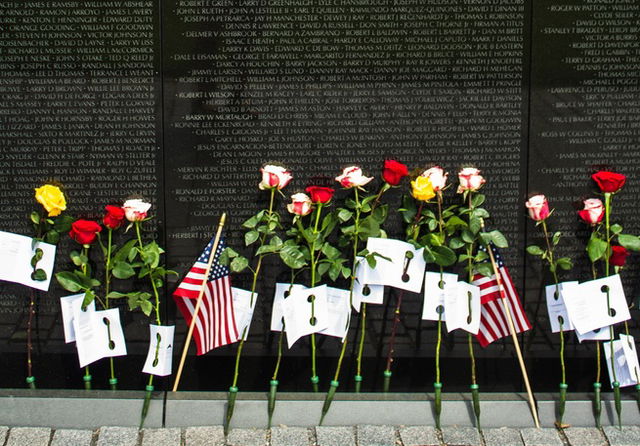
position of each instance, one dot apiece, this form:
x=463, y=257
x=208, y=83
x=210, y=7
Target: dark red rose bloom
x=609, y=181
x=393, y=172
x=114, y=217
x=320, y=194
x=84, y=231
x=619, y=255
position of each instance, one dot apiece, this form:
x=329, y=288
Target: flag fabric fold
x=215, y=324
x=493, y=318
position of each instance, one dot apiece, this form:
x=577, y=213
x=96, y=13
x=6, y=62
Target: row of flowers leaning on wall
x=326, y=239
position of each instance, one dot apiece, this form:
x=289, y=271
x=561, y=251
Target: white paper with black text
x=66, y=306
x=587, y=304
x=436, y=288
x=281, y=292
x=404, y=270
x=15, y=260
x=463, y=308
x=631, y=355
x=297, y=312
x=243, y=309
x=160, y=355
x=625, y=362
x=338, y=312
x=599, y=334
x=556, y=307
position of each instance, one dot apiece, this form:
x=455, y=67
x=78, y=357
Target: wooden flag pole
x=514, y=335
x=194, y=316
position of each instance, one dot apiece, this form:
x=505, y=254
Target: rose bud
x=393, y=172
x=300, y=205
x=438, y=177
x=52, y=199
x=470, y=179
x=422, y=189
x=538, y=207
x=84, y=231
x=619, y=255
x=352, y=177
x=320, y=194
x=136, y=209
x=609, y=182
x=274, y=177
x=593, y=211
x=114, y=217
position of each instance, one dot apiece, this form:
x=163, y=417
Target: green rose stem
x=475, y=393
x=31, y=380
x=314, y=262
x=597, y=402
x=233, y=390
x=437, y=386
x=113, y=381
x=87, y=375
x=414, y=231
x=149, y=388
x=616, y=384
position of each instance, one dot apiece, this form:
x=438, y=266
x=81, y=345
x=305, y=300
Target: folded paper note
x=599, y=334
x=160, y=353
x=556, y=307
x=16, y=252
x=463, y=308
x=364, y=292
x=625, y=361
x=98, y=334
x=338, y=310
x=66, y=304
x=282, y=291
x=301, y=318
x=404, y=269
x=436, y=287
x=243, y=310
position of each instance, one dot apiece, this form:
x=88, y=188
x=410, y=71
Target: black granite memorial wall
x=182, y=101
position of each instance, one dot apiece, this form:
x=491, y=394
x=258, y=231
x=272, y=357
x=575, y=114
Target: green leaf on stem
x=565, y=263
x=467, y=236
x=616, y=228
x=123, y=270
x=252, y=222
x=330, y=252
x=52, y=237
x=630, y=242
x=556, y=238
x=239, y=264
x=35, y=218
x=63, y=223
x=444, y=256
x=344, y=215
x=477, y=200
x=596, y=248
x=535, y=250
x=456, y=243
x=369, y=227
x=292, y=257
x=485, y=269
x=322, y=268
x=89, y=297
x=250, y=237
x=408, y=210
x=69, y=281
x=454, y=223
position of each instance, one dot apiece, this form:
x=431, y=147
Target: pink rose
x=136, y=209
x=438, y=177
x=300, y=204
x=538, y=207
x=274, y=177
x=470, y=179
x=593, y=211
x=352, y=177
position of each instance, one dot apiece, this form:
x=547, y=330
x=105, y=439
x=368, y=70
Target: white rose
x=352, y=177
x=438, y=177
x=136, y=209
x=274, y=177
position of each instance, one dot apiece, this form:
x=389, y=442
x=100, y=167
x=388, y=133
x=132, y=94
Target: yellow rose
x=422, y=189
x=52, y=198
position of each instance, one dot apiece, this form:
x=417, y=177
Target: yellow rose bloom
x=422, y=189
x=52, y=198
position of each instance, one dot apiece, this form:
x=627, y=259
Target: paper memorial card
x=85, y=335
x=631, y=355
x=364, y=292
x=339, y=311
x=404, y=270
x=436, y=288
x=15, y=260
x=243, y=309
x=297, y=312
x=109, y=322
x=463, y=308
x=160, y=353
x=66, y=305
x=281, y=293
x=599, y=334
x=625, y=361
x=556, y=307
x=587, y=304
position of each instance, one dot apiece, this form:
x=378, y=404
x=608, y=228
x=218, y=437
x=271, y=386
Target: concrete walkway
x=362, y=435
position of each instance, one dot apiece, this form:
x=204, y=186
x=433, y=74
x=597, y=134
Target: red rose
x=320, y=194
x=393, y=172
x=609, y=182
x=619, y=255
x=84, y=231
x=114, y=217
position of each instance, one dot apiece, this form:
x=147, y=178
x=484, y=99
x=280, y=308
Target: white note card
x=297, y=313
x=363, y=291
x=556, y=307
x=463, y=308
x=587, y=304
x=339, y=311
x=98, y=334
x=631, y=355
x=66, y=305
x=599, y=334
x=436, y=288
x=625, y=361
x=404, y=270
x=243, y=309
x=281, y=293
x=160, y=355
x=15, y=260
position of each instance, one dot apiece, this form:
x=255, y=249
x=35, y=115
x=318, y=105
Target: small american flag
x=493, y=318
x=215, y=323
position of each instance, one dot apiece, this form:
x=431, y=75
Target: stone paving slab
x=585, y=436
x=247, y=437
x=335, y=436
x=419, y=436
x=72, y=437
x=4, y=430
x=29, y=436
x=204, y=436
x=461, y=436
x=503, y=436
x=628, y=436
x=161, y=437
x=118, y=436
x=540, y=437
x=369, y=435
x=289, y=436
